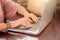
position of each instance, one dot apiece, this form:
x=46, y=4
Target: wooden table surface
x=52, y=32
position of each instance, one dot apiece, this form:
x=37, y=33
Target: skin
x=26, y=21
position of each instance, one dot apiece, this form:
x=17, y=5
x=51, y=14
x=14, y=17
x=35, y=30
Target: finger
x=37, y=19
x=34, y=18
x=30, y=20
x=25, y=25
x=29, y=24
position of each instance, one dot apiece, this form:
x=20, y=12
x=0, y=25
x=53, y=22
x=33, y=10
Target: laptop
x=47, y=15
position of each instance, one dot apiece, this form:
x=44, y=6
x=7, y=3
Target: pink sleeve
x=1, y=13
x=10, y=8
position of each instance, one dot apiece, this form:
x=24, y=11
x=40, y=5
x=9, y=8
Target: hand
x=31, y=16
x=21, y=21
x=25, y=13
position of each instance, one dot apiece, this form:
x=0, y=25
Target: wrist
x=15, y=23
x=8, y=25
x=27, y=15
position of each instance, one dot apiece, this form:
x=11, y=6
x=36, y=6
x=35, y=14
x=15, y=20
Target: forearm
x=22, y=11
x=10, y=24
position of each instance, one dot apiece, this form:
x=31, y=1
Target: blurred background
x=58, y=7
x=24, y=3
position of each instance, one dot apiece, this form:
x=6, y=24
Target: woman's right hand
x=22, y=21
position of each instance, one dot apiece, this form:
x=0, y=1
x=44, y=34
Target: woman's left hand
x=32, y=16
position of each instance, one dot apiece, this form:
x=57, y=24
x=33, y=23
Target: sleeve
x=10, y=8
x=1, y=13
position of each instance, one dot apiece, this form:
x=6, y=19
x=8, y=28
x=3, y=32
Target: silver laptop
x=46, y=18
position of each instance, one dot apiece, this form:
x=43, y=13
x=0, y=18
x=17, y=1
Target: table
x=51, y=32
